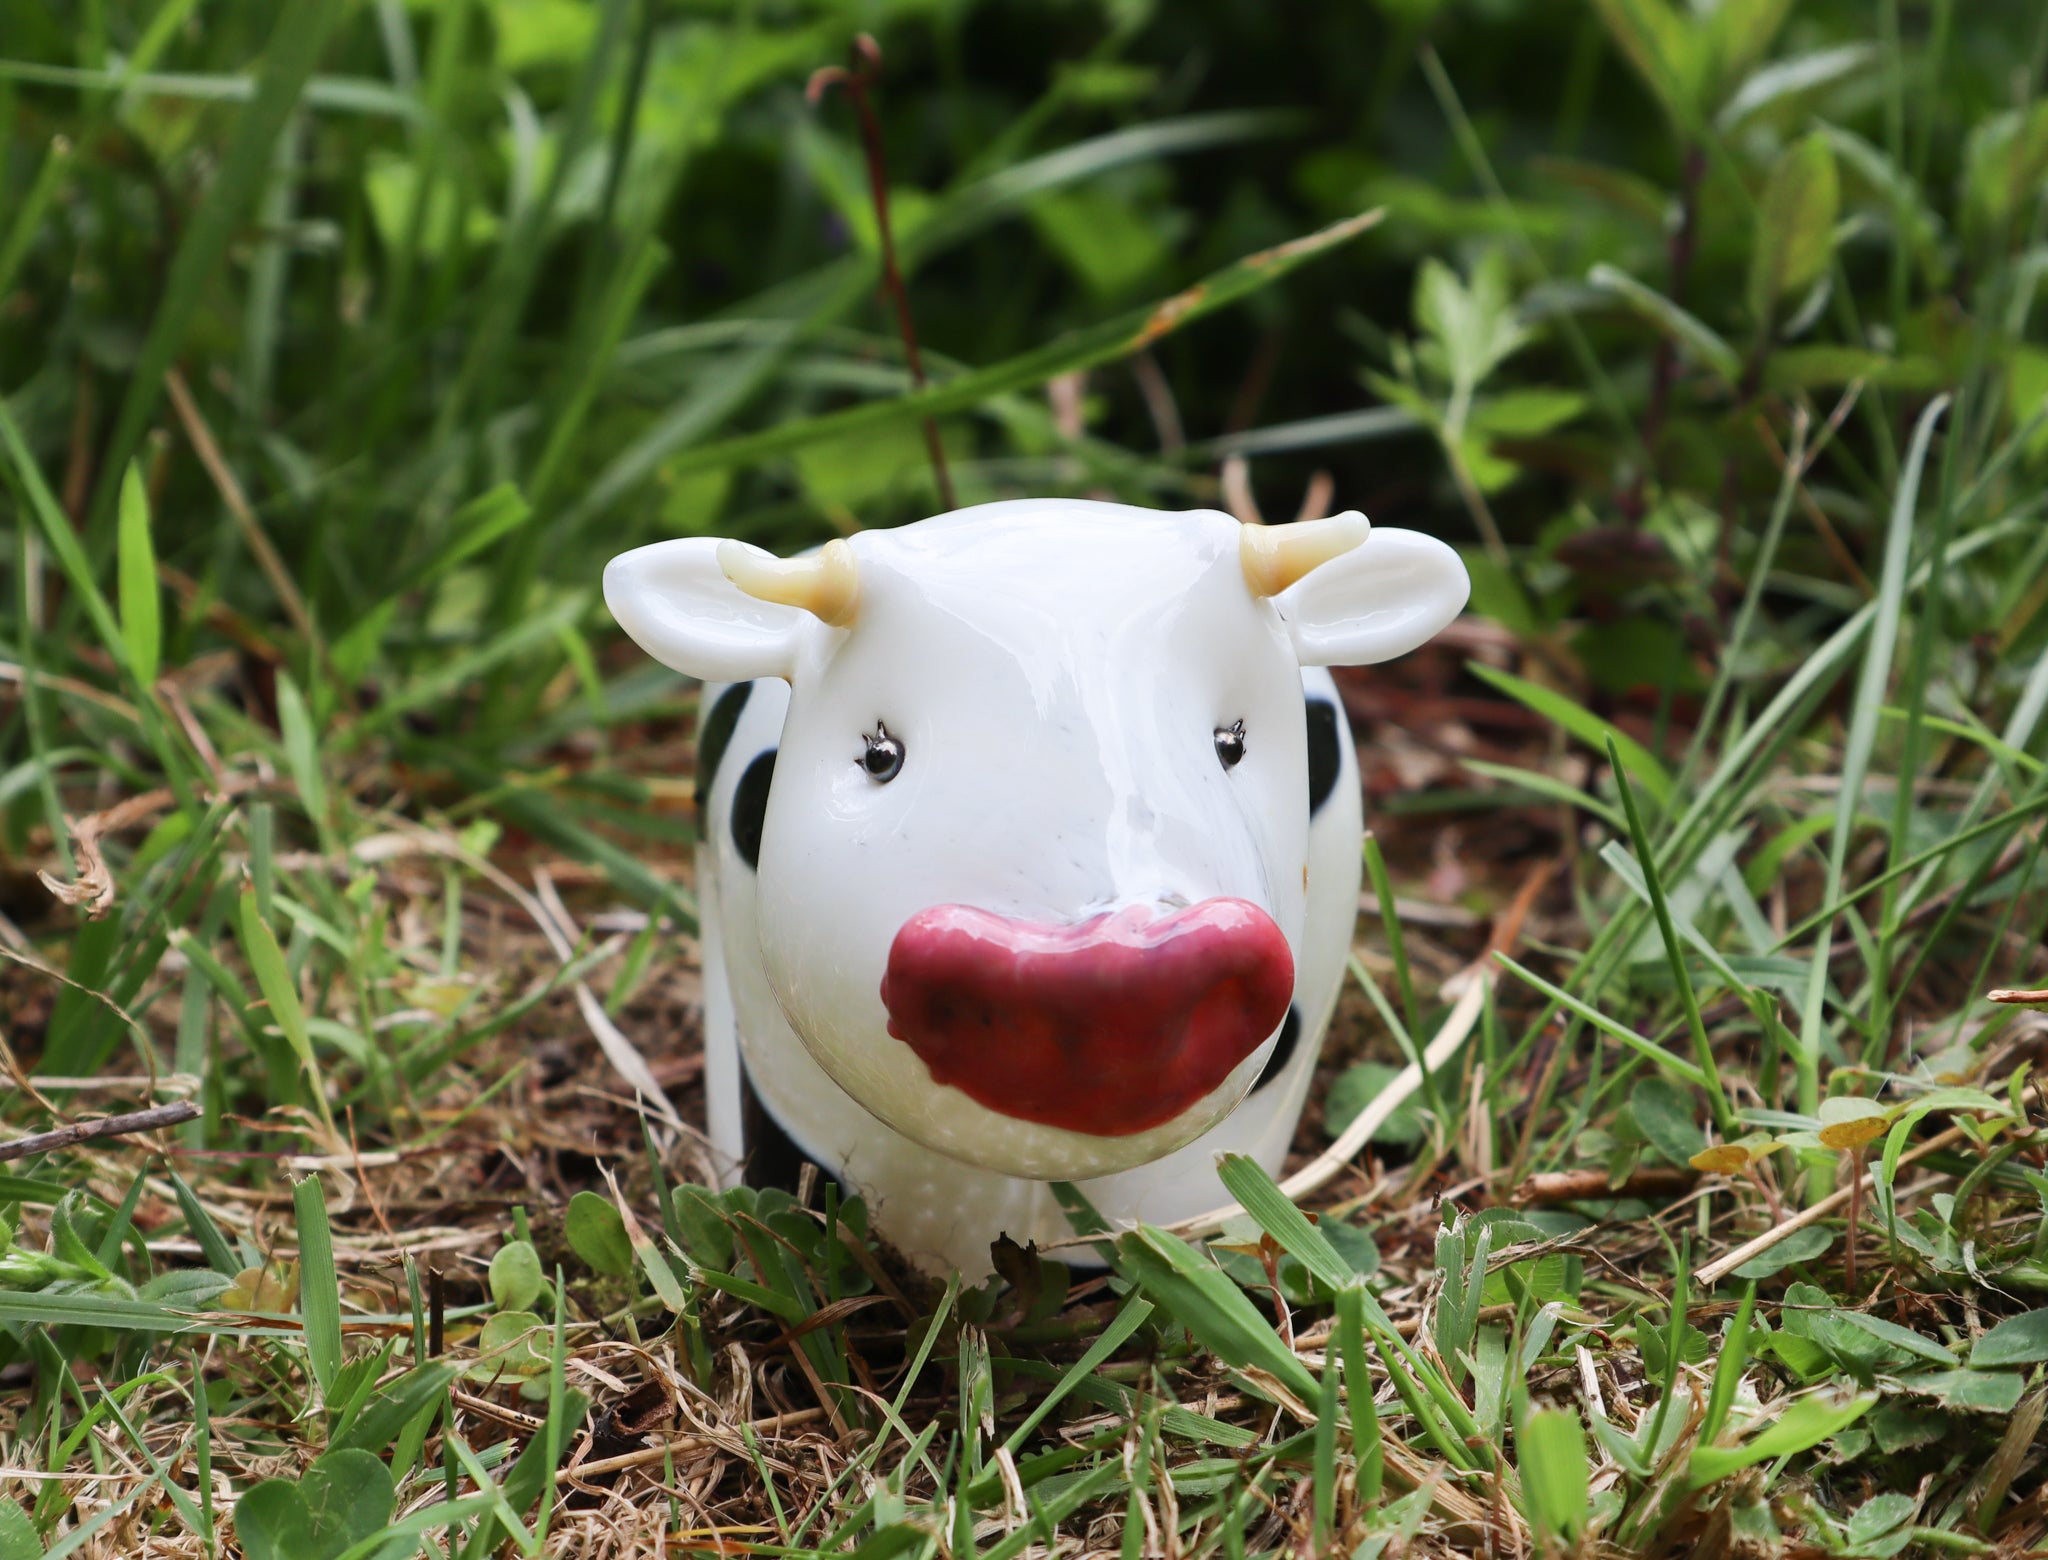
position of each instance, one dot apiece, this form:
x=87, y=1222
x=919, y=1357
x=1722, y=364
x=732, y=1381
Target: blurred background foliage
x=578, y=245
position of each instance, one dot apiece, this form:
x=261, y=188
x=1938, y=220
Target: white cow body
x=934, y=1208
x=1101, y=733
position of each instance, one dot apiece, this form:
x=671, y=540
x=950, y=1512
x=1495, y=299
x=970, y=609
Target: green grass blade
x=1368, y=1451
x=1674, y=953
x=516, y=264
x=1728, y=1367
x=1277, y=1214
x=1583, y=724
x=1390, y=920
x=1133, y=1316
x=141, y=620
x=199, y=1224
x=1198, y=1295
x=1676, y=1065
x=281, y=995
x=58, y=535
x=296, y=41
x=1862, y=737
x=27, y=220
x=1080, y=349
x=319, y=1285
x=1556, y=1475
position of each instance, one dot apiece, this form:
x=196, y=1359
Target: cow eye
x=1230, y=743
x=883, y=759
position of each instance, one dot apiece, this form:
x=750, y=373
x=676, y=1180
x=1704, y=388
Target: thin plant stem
x=858, y=80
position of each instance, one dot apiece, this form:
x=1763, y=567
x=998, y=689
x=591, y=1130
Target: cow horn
x=827, y=583
x=1274, y=557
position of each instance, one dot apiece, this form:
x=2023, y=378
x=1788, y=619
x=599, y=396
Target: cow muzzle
x=1110, y=1026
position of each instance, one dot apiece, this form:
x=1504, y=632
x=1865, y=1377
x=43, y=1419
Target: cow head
x=1034, y=862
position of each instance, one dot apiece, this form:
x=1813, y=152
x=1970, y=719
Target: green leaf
x=1801, y=1355
x=141, y=618
x=2018, y=1340
x=1980, y=1391
x=1664, y=1111
x=1551, y=1453
x=1471, y=327
x=1669, y=54
x=1546, y=785
x=18, y=1540
x=272, y=1523
x=700, y=1216
x=1902, y=1338
x=482, y=521
x=662, y=1277
x=1736, y=35
x=1800, y=1246
x=76, y=1308
x=348, y=1497
x=1111, y=246
x=516, y=1278
x=1786, y=84
x=1583, y=724
x=531, y=1475
x=1128, y=1320
x=510, y=1344
x=1357, y=1086
x=1525, y=414
x=1804, y=1425
x=1706, y=345
x=2003, y=164
x=597, y=1234
x=319, y=1286
x=1795, y=233
x=1654, y=1343
x=24, y=224
x=1877, y=1516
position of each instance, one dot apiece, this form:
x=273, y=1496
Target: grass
x=336, y=355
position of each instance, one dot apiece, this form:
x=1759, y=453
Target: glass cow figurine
x=1030, y=846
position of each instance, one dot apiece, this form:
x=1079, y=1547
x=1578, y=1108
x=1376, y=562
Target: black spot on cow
x=1325, y=756
x=772, y=1156
x=714, y=735
x=750, y=807
x=1283, y=1049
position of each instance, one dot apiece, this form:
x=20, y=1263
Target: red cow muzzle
x=1109, y=1027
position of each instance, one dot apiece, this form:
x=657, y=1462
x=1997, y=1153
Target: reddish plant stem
x=858, y=79
x=1664, y=366
x=1855, y=1218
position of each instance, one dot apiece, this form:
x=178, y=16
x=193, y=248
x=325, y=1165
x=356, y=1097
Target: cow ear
x=678, y=605
x=1393, y=592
